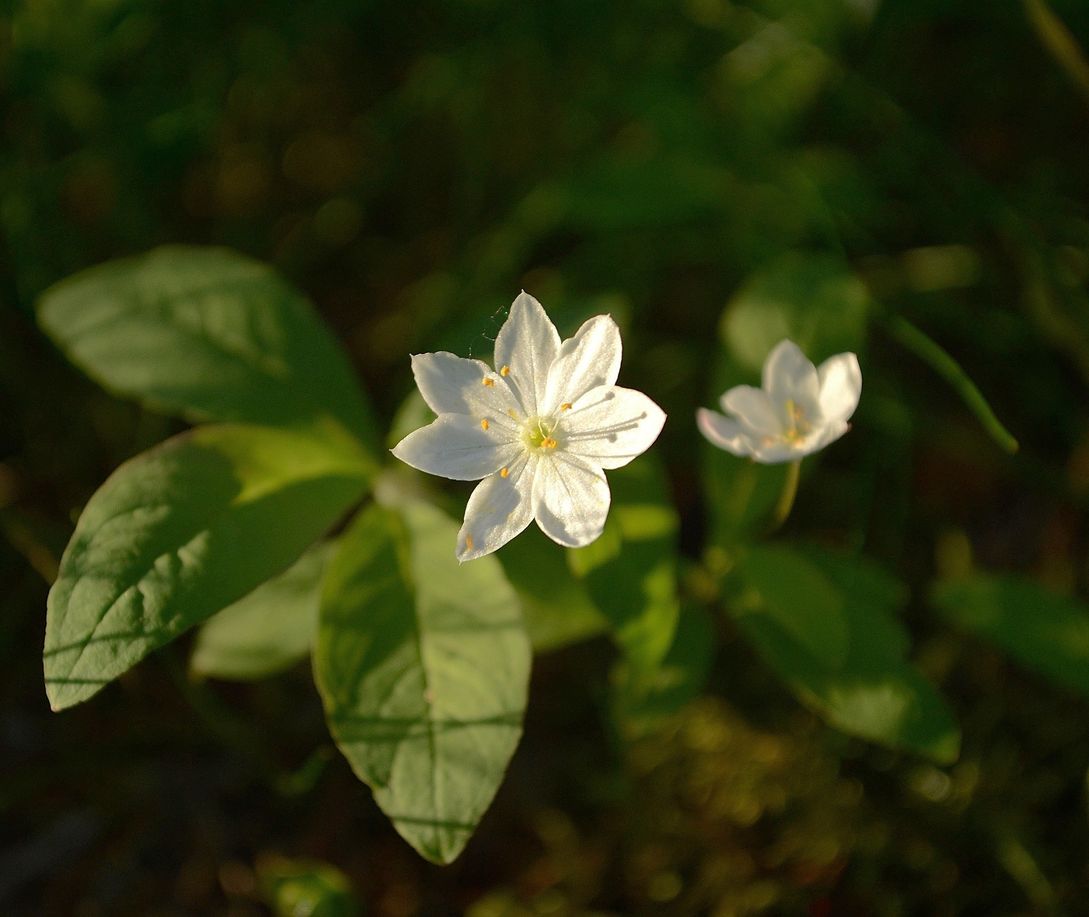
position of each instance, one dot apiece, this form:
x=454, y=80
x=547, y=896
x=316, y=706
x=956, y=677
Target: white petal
x=453, y=385
x=589, y=359
x=840, y=386
x=498, y=510
x=455, y=446
x=570, y=499
x=829, y=433
x=789, y=376
x=753, y=407
x=528, y=343
x=610, y=425
x=778, y=451
x=723, y=432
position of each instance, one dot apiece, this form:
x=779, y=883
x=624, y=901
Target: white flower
x=800, y=408
x=538, y=431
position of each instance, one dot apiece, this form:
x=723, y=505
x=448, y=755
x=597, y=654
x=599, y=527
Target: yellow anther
x=484, y=424
x=566, y=406
x=505, y=371
x=489, y=381
x=468, y=542
x=548, y=443
x=504, y=472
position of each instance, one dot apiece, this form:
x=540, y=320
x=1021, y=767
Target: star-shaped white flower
x=800, y=408
x=538, y=431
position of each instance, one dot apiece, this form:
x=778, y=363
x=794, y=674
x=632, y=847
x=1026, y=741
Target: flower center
x=798, y=425
x=539, y=433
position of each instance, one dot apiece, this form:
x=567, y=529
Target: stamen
x=468, y=542
x=505, y=371
x=489, y=381
x=504, y=472
x=484, y=424
x=511, y=412
x=548, y=443
x=566, y=406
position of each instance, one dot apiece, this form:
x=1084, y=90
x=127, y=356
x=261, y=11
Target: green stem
x=786, y=496
x=932, y=353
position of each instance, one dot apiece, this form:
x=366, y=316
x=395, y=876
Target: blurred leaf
x=631, y=570
x=270, y=629
x=423, y=666
x=1045, y=631
x=813, y=299
x=642, y=699
x=798, y=596
x=179, y=533
x=208, y=334
x=555, y=605
x=873, y=692
x=306, y=888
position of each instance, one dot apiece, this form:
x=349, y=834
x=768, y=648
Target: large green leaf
x=423, y=666
x=872, y=691
x=180, y=532
x=268, y=630
x=206, y=333
x=1043, y=630
x=631, y=570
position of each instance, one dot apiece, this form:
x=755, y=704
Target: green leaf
x=423, y=666
x=642, y=700
x=873, y=692
x=1043, y=630
x=556, y=607
x=813, y=299
x=179, y=533
x=795, y=593
x=269, y=630
x=631, y=570
x=306, y=888
x=208, y=334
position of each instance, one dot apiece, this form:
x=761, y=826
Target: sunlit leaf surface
x=179, y=533
x=206, y=333
x=423, y=665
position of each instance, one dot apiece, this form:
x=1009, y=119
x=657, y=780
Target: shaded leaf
x=179, y=533
x=423, y=666
x=306, y=888
x=798, y=596
x=206, y=333
x=268, y=630
x=556, y=606
x=873, y=692
x=1041, y=629
x=641, y=699
x=630, y=572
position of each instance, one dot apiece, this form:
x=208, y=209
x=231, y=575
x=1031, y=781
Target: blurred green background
x=411, y=166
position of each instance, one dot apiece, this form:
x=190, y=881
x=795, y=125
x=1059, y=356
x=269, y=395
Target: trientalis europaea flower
x=799, y=409
x=537, y=430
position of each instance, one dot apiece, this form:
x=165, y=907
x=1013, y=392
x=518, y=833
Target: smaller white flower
x=799, y=409
x=537, y=433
